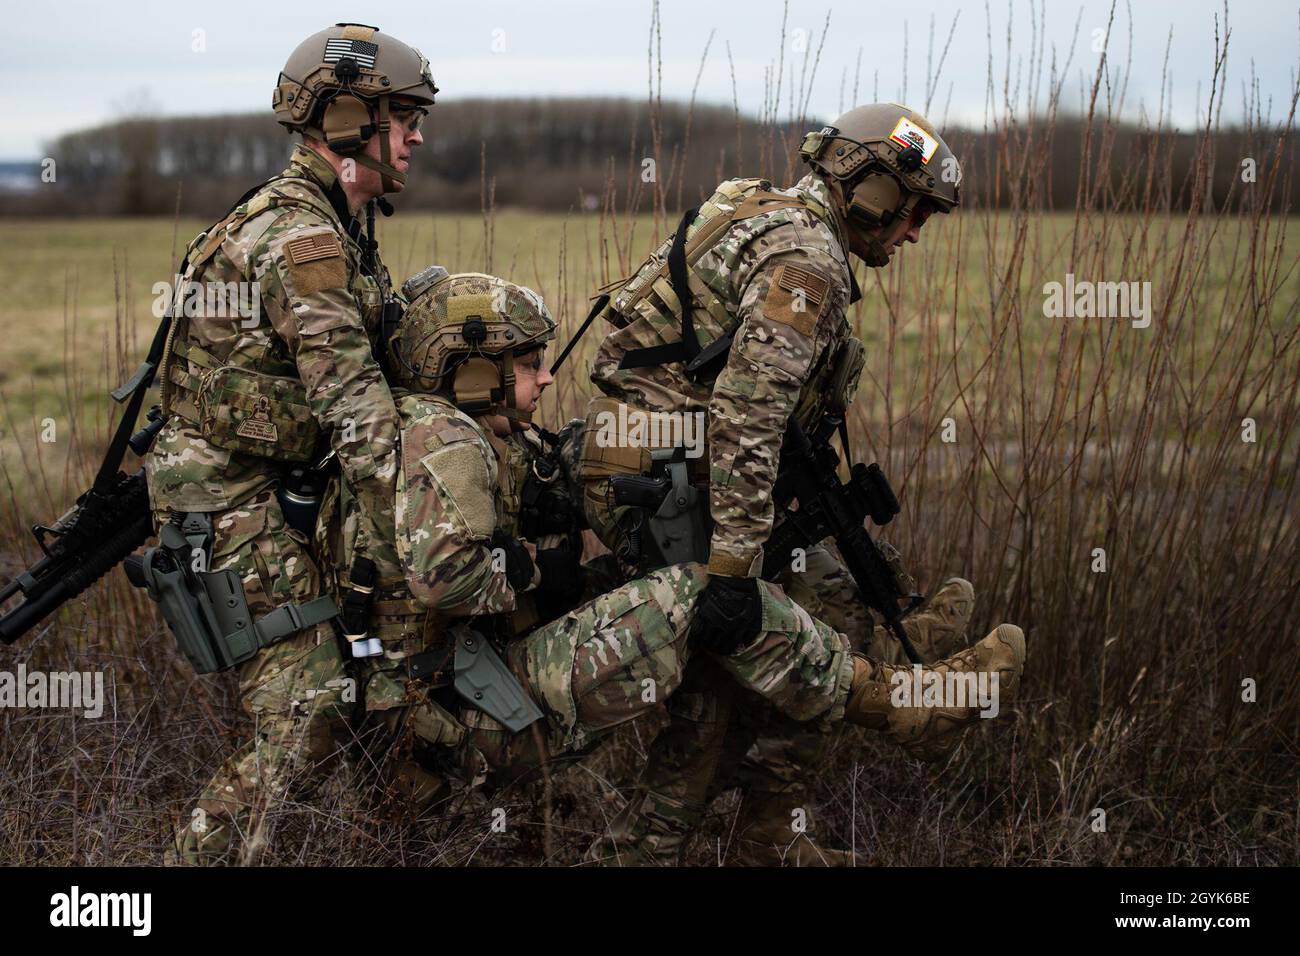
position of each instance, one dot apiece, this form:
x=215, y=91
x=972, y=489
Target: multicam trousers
x=297, y=692
x=622, y=655
x=720, y=737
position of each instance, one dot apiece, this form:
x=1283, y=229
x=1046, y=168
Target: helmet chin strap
x=514, y=415
x=389, y=175
x=876, y=255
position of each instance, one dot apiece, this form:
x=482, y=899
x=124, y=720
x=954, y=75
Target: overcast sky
x=76, y=63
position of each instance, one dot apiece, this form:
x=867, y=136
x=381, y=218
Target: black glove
x=550, y=511
x=729, y=614
x=519, y=566
x=563, y=580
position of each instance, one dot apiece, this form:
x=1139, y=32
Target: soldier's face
x=531, y=378
x=532, y=375
x=402, y=139
x=900, y=231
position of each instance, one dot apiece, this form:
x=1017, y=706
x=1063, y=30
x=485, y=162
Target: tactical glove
x=519, y=565
x=563, y=580
x=728, y=614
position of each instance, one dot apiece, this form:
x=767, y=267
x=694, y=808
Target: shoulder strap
x=707, y=362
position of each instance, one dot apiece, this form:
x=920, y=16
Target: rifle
x=107, y=523
x=831, y=508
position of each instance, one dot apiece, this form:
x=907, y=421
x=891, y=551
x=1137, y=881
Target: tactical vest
x=656, y=290
x=260, y=410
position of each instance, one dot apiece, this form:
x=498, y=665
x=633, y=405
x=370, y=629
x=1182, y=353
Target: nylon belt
x=285, y=620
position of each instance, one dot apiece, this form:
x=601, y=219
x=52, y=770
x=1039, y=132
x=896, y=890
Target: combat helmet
x=459, y=337
x=881, y=160
x=337, y=87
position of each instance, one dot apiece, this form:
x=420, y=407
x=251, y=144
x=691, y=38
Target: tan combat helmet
x=881, y=160
x=337, y=88
x=459, y=337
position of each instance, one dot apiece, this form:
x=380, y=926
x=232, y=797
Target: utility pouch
x=832, y=387
x=257, y=414
x=484, y=680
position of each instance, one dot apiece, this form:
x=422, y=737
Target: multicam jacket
x=780, y=283
x=314, y=312
x=456, y=484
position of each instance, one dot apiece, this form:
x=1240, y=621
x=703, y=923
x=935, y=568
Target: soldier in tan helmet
x=247, y=397
x=767, y=276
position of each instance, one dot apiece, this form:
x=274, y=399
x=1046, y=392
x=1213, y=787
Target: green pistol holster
x=673, y=512
x=207, y=611
x=679, y=529
x=483, y=679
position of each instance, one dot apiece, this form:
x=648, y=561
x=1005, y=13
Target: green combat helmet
x=337, y=86
x=881, y=160
x=460, y=335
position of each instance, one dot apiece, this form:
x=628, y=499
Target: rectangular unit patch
x=359, y=50
x=907, y=133
x=322, y=245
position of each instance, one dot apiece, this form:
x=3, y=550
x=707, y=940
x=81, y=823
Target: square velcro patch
x=796, y=297
x=322, y=245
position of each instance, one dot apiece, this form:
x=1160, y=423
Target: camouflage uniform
x=588, y=669
x=748, y=283
x=719, y=737
x=318, y=313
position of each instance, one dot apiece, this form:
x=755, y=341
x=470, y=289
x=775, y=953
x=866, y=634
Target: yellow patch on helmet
x=908, y=133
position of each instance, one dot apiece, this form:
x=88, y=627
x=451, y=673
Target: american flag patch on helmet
x=360, y=50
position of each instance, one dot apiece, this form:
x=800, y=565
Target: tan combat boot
x=766, y=834
x=937, y=631
x=932, y=732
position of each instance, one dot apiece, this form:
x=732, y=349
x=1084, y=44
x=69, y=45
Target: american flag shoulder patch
x=322, y=245
x=362, y=51
x=805, y=282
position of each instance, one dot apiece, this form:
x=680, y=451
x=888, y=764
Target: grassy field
x=1068, y=435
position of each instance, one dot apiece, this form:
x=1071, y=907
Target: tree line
x=585, y=154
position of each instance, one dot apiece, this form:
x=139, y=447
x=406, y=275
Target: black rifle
x=107, y=523
x=831, y=508
x=110, y=520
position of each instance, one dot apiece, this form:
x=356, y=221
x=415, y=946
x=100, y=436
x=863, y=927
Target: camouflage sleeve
x=790, y=306
x=305, y=280
x=446, y=512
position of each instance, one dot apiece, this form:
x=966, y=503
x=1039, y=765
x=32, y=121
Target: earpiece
x=346, y=124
